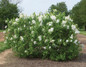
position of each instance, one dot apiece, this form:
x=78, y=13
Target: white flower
x=24, y=25
x=5, y=27
x=53, y=17
x=31, y=39
x=5, y=41
x=67, y=17
x=15, y=36
x=50, y=23
x=19, y=28
x=40, y=38
x=51, y=29
x=64, y=22
x=67, y=27
x=75, y=41
x=44, y=47
x=40, y=23
x=4, y=32
x=16, y=19
x=11, y=38
x=15, y=23
x=32, y=16
x=21, y=15
x=73, y=27
x=35, y=42
x=6, y=21
x=70, y=40
x=32, y=32
x=40, y=18
x=52, y=41
x=64, y=25
x=57, y=21
x=49, y=47
x=21, y=38
x=67, y=41
x=46, y=40
x=77, y=31
x=10, y=21
x=30, y=28
x=33, y=21
x=14, y=42
x=71, y=36
x=71, y=20
x=25, y=51
x=79, y=41
x=55, y=10
x=45, y=16
x=60, y=40
x=8, y=30
x=43, y=29
x=6, y=37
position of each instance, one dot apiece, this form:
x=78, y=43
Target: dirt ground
x=1, y=36
x=7, y=59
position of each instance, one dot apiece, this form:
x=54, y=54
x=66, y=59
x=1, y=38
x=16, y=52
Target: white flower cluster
x=21, y=38
x=15, y=23
x=42, y=29
x=68, y=18
x=75, y=29
x=40, y=38
x=50, y=23
x=53, y=17
x=51, y=30
x=40, y=18
x=33, y=21
x=57, y=21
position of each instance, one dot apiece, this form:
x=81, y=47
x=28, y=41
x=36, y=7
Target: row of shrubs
x=46, y=36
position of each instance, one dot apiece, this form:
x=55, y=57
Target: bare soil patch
x=8, y=59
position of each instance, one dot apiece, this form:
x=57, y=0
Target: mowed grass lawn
x=83, y=32
x=1, y=30
x=3, y=46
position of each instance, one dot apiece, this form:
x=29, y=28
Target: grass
x=83, y=32
x=1, y=30
x=3, y=47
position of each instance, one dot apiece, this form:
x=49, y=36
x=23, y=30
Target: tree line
x=9, y=10
x=78, y=12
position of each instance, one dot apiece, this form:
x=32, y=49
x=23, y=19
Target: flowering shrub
x=44, y=35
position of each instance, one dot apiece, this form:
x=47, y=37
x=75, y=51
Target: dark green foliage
x=60, y=7
x=7, y=11
x=46, y=36
x=79, y=13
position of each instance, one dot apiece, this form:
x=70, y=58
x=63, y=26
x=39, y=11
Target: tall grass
x=3, y=46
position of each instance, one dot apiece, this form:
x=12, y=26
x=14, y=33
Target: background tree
x=8, y=10
x=60, y=7
x=79, y=14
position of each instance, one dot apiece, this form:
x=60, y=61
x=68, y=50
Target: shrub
x=43, y=36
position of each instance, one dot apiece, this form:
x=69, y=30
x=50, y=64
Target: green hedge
x=43, y=36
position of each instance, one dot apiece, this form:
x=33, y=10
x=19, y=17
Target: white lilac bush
x=43, y=36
